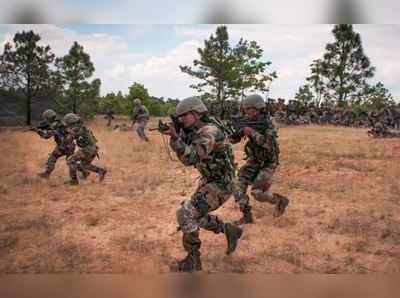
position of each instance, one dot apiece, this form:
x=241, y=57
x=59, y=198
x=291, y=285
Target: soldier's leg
x=73, y=163
x=51, y=162
x=141, y=124
x=187, y=217
x=209, y=197
x=246, y=175
x=262, y=193
x=86, y=164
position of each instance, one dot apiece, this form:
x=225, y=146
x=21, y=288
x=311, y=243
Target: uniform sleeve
x=198, y=150
x=264, y=140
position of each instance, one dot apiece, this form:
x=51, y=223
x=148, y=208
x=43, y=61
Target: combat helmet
x=49, y=115
x=190, y=104
x=137, y=101
x=71, y=119
x=253, y=101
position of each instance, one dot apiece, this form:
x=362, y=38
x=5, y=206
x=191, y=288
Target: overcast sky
x=151, y=54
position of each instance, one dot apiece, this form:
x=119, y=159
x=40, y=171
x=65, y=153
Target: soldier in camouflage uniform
x=109, y=116
x=64, y=144
x=140, y=116
x=202, y=143
x=88, y=149
x=262, y=155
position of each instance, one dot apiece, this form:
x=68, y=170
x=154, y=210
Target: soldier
x=262, y=155
x=202, y=143
x=140, y=116
x=53, y=127
x=88, y=149
x=109, y=117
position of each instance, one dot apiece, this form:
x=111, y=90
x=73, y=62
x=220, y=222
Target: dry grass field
x=343, y=217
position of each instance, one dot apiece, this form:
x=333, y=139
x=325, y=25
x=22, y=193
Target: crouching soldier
x=262, y=159
x=202, y=144
x=88, y=149
x=50, y=127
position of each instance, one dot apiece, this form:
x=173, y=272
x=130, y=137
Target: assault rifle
x=43, y=125
x=165, y=126
x=237, y=123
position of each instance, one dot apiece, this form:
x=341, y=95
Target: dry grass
x=343, y=216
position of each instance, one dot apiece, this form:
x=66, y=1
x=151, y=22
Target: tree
x=226, y=72
x=75, y=69
x=214, y=69
x=249, y=71
x=317, y=82
x=304, y=95
x=376, y=97
x=25, y=67
x=345, y=67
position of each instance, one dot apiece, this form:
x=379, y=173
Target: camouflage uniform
x=64, y=143
x=262, y=159
x=109, y=117
x=88, y=150
x=204, y=146
x=140, y=116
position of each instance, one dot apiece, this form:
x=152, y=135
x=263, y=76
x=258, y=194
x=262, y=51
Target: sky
x=150, y=54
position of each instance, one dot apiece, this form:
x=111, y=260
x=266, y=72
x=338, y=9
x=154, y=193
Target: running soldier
x=140, y=116
x=50, y=127
x=202, y=143
x=262, y=159
x=88, y=149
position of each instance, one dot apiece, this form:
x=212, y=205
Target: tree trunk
x=28, y=110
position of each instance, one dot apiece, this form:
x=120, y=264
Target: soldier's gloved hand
x=170, y=132
x=247, y=131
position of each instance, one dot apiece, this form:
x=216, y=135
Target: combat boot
x=44, y=175
x=84, y=174
x=72, y=182
x=281, y=204
x=233, y=234
x=190, y=263
x=102, y=174
x=247, y=217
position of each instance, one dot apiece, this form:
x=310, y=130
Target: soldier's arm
x=200, y=148
x=264, y=140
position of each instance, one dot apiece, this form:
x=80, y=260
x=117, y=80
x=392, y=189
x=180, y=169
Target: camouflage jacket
x=205, y=147
x=140, y=112
x=58, y=130
x=262, y=147
x=85, y=138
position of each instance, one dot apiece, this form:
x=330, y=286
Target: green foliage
x=345, y=67
x=25, y=67
x=304, y=95
x=73, y=71
x=226, y=72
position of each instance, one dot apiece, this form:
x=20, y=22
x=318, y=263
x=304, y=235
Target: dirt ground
x=343, y=217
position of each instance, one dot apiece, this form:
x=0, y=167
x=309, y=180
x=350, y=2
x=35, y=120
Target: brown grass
x=343, y=215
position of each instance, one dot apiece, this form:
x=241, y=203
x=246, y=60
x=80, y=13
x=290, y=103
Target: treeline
x=223, y=74
x=122, y=104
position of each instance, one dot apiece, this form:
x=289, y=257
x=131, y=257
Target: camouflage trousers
x=140, y=128
x=260, y=179
x=82, y=159
x=55, y=155
x=194, y=213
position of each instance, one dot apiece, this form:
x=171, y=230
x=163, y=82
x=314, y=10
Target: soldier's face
x=252, y=113
x=188, y=119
